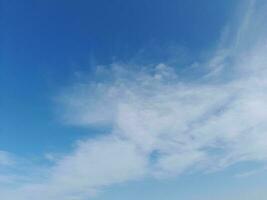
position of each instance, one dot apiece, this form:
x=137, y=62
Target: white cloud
x=95, y=163
x=162, y=126
x=6, y=159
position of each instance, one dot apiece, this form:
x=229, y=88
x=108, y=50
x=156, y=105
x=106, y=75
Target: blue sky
x=111, y=99
x=44, y=44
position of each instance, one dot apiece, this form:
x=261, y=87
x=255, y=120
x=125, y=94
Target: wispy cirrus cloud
x=160, y=126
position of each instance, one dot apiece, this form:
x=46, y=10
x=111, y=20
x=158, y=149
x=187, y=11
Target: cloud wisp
x=161, y=126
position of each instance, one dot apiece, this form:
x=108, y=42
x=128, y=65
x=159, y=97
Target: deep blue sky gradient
x=43, y=44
